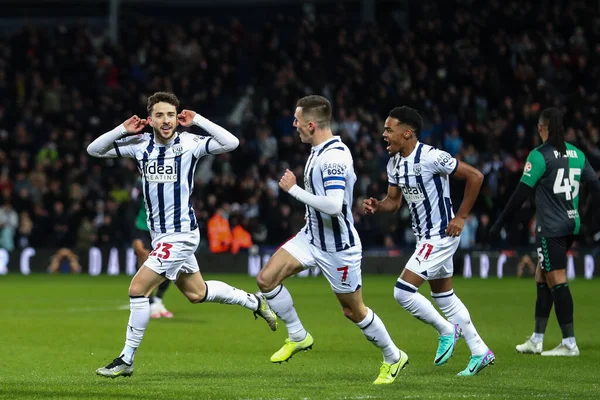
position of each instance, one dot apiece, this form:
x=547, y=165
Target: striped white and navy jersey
x=168, y=177
x=423, y=179
x=329, y=168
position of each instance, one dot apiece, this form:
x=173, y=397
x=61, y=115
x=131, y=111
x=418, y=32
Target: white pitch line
x=36, y=311
x=89, y=309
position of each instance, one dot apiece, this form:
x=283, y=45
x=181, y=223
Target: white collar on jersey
x=169, y=143
x=412, y=154
x=321, y=145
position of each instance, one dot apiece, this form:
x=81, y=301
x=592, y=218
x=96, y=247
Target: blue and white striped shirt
x=329, y=168
x=168, y=177
x=423, y=179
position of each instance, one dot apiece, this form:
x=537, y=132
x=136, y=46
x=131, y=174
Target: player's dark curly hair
x=164, y=97
x=553, y=118
x=408, y=116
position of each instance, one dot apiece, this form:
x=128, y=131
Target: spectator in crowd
x=480, y=71
x=469, y=233
x=483, y=231
x=9, y=222
x=241, y=238
x=25, y=229
x=219, y=232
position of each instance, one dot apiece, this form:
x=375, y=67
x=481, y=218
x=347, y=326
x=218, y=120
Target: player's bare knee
x=556, y=277
x=442, y=285
x=355, y=315
x=350, y=314
x=281, y=266
x=265, y=282
x=196, y=297
x=272, y=275
x=135, y=289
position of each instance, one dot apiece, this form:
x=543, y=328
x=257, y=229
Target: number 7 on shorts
x=344, y=271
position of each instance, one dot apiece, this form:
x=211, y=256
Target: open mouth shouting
x=389, y=145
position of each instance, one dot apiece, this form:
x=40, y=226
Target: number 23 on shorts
x=162, y=251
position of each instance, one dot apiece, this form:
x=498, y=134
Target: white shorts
x=173, y=253
x=432, y=258
x=342, y=268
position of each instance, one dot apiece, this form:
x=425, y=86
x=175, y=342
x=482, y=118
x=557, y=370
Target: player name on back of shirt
x=570, y=154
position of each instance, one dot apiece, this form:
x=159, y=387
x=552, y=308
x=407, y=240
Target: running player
x=142, y=245
x=167, y=160
x=419, y=173
x=328, y=241
x=553, y=171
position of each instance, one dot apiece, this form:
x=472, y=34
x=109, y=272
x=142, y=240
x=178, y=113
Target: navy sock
x=563, y=306
x=543, y=306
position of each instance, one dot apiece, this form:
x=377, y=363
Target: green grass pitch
x=56, y=330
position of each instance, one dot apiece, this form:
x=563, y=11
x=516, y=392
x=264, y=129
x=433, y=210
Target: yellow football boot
x=389, y=372
x=290, y=348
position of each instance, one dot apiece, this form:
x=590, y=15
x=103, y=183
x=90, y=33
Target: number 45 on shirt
x=569, y=186
x=162, y=251
x=565, y=185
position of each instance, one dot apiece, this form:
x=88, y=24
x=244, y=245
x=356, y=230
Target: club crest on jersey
x=417, y=169
x=413, y=194
x=527, y=166
x=160, y=173
x=178, y=149
x=307, y=185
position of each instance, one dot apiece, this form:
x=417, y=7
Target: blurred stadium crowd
x=479, y=75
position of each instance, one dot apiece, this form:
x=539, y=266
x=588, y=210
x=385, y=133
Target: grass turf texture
x=56, y=330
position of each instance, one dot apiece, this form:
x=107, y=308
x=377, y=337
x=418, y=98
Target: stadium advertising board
x=114, y=261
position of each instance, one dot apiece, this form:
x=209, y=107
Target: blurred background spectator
x=478, y=71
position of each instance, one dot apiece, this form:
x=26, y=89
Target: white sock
x=374, y=330
x=457, y=313
x=421, y=308
x=220, y=292
x=138, y=321
x=569, y=342
x=280, y=301
x=537, y=337
x=157, y=300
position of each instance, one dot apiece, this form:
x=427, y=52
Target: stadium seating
x=478, y=84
